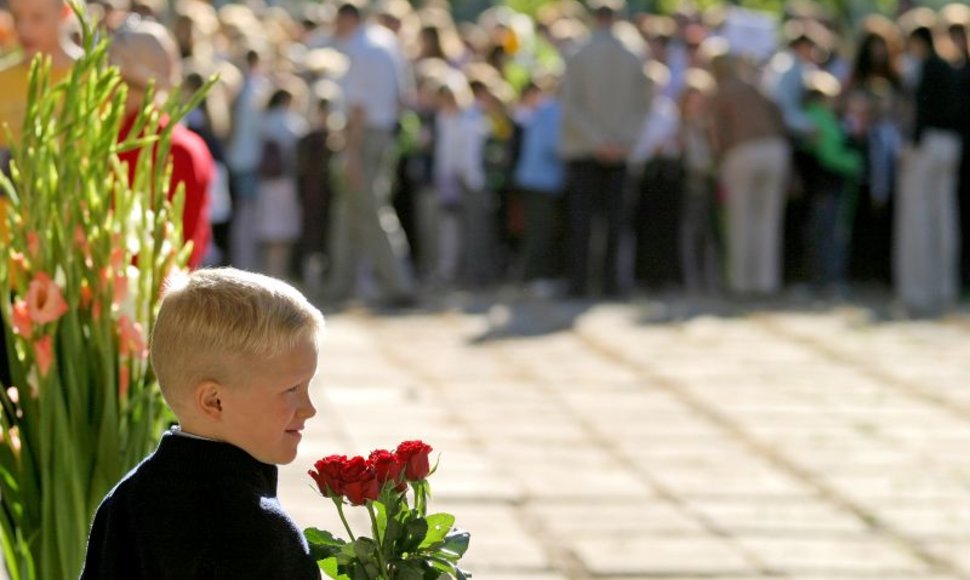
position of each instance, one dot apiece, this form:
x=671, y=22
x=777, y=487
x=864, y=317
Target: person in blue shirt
x=540, y=178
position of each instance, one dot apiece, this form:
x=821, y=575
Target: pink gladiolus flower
x=44, y=300
x=44, y=354
x=117, y=259
x=85, y=294
x=120, y=288
x=22, y=324
x=33, y=244
x=131, y=337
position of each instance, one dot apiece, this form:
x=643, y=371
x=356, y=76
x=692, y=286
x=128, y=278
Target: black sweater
x=938, y=98
x=196, y=509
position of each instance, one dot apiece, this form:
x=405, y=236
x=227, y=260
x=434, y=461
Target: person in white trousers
x=927, y=257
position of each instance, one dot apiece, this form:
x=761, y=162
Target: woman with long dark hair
x=873, y=102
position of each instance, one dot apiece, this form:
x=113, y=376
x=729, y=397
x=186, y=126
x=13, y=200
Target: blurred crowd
x=387, y=151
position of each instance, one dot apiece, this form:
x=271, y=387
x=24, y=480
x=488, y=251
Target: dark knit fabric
x=194, y=510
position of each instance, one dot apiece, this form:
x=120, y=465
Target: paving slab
x=581, y=440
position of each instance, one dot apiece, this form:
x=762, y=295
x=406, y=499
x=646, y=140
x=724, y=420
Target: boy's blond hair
x=215, y=323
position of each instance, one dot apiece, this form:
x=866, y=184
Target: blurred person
x=203, y=121
x=8, y=38
x=678, y=52
x=755, y=158
x=927, y=229
x=243, y=157
x=419, y=122
x=144, y=52
x=315, y=153
x=656, y=181
x=498, y=233
x=605, y=97
x=698, y=239
x=783, y=82
x=41, y=28
x=540, y=177
x=784, y=77
x=876, y=86
x=957, y=19
x=280, y=217
x=437, y=42
x=459, y=177
x=366, y=224
x=830, y=187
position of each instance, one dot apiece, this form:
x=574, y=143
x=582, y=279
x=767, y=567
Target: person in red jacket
x=143, y=50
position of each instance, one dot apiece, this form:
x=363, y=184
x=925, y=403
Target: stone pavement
x=593, y=441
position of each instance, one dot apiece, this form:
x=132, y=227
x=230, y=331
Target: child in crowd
x=280, y=222
x=830, y=185
x=315, y=153
x=540, y=177
x=234, y=353
x=698, y=232
x=459, y=178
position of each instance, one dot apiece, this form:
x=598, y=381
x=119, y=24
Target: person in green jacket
x=830, y=185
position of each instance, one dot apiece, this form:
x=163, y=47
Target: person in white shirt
x=280, y=216
x=459, y=172
x=243, y=157
x=365, y=222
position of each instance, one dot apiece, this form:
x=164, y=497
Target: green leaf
x=331, y=569
x=438, y=527
x=409, y=570
x=414, y=533
x=456, y=542
x=381, y=517
x=323, y=544
x=365, y=549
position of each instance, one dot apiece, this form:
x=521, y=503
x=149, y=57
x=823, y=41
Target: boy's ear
x=207, y=399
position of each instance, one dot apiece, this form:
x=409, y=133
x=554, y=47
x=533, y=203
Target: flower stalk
x=82, y=407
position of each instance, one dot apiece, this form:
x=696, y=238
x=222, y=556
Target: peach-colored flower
x=86, y=294
x=117, y=259
x=81, y=240
x=120, y=288
x=124, y=381
x=44, y=354
x=44, y=300
x=22, y=324
x=96, y=310
x=33, y=244
x=132, y=338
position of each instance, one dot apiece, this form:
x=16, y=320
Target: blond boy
x=234, y=353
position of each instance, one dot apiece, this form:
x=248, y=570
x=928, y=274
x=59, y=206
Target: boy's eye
x=293, y=389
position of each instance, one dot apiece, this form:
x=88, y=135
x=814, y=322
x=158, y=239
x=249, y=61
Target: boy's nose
x=307, y=409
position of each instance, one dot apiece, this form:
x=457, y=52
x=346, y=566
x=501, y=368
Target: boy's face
x=266, y=413
x=38, y=24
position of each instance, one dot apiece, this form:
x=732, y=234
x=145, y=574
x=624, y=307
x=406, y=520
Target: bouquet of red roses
x=406, y=542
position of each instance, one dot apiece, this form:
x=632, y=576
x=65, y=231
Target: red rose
x=328, y=475
x=414, y=456
x=388, y=468
x=359, y=481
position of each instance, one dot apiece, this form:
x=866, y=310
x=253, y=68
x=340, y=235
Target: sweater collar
x=217, y=461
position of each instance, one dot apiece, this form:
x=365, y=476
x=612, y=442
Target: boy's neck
x=178, y=430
